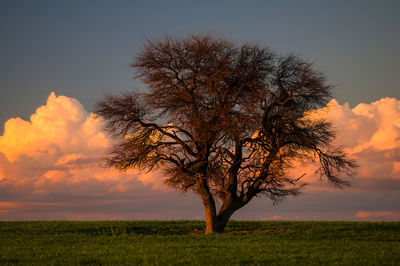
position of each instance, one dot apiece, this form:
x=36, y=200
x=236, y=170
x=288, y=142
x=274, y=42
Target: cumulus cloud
x=54, y=160
x=60, y=127
x=60, y=150
x=371, y=134
x=52, y=166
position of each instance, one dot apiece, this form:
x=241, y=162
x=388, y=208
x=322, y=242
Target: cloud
x=60, y=151
x=370, y=133
x=52, y=165
x=60, y=127
x=377, y=215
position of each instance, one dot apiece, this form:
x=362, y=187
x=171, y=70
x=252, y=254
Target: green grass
x=179, y=242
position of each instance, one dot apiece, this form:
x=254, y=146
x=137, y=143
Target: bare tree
x=223, y=120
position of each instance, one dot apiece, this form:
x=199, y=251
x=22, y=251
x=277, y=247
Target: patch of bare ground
x=196, y=232
x=253, y=231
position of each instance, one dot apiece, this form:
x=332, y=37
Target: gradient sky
x=82, y=49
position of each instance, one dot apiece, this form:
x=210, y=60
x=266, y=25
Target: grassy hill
x=182, y=242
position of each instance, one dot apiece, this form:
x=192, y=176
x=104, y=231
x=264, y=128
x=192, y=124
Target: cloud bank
x=60, y=149
x=51, y=166
x=371, y=134
x=54, y=162
x=377, y=215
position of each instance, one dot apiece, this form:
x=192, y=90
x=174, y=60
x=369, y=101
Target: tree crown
x=223, y=119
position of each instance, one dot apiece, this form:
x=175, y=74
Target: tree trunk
x=209, y=207
x=216, y=223
x=211, y=220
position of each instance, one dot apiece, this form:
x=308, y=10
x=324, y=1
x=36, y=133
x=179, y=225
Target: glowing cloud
x=60, y=150
x=371, y=133
x=62, y=143
x=57, y=156
x=377, y=215
x=60, y=127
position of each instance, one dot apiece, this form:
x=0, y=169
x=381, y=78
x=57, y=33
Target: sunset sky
x=57, y=58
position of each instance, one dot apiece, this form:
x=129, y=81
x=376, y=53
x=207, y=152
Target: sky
x=57, y=58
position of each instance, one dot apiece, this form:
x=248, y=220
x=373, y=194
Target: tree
x=223, y=120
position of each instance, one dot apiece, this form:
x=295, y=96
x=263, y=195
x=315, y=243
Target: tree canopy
x=223, y=120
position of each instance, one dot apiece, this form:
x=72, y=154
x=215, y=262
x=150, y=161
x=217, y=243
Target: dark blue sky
x=82, y=49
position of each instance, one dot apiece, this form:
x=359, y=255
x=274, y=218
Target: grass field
x=181, y=242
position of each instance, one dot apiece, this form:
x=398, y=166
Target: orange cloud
x=370, y=133
x=367, y=126
x=60, y=148
x=59, y=127
x=377, y=215
x=57, y=157
x=62, y=144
